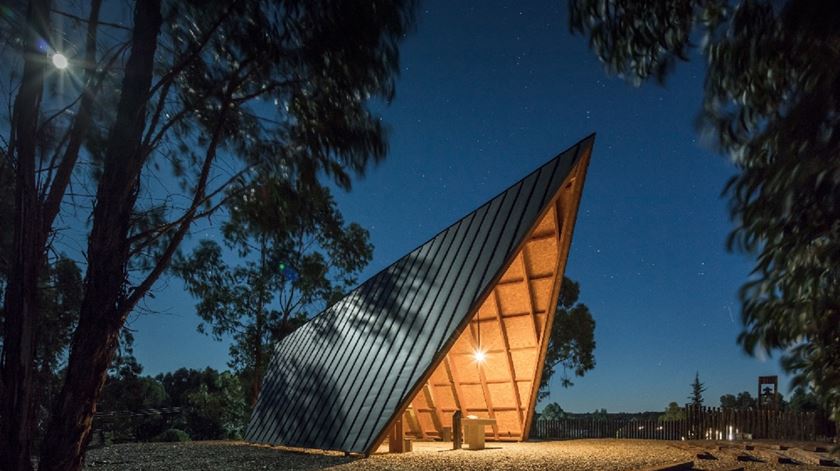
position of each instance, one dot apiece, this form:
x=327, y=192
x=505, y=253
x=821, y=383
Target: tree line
x=802, y=399
x=211, y=405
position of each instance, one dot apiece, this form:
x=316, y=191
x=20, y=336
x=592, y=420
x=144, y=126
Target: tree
x=126, y=390
x=299, y=256
x=803, y=400
x=181, y=95
x=600, y=414
x=572, y=340
x=20, y=303
x=697, y=390
x=217, y=408
x=552, y=411
x=672, y=413
x=771, y=102
x=213, y=404
x=59, y=298
x=744, y=401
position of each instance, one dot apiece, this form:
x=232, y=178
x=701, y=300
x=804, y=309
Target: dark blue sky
x=486, y=94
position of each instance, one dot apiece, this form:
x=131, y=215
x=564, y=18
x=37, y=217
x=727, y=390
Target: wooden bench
x=474, y=431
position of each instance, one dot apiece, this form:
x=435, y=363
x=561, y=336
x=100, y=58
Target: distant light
x=59, y=61
x=479, y=356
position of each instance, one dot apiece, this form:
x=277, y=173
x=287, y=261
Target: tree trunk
x=21, y=307
x=103, y=313
x=256, y=381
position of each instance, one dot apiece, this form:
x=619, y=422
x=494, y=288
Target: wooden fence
x=698, y=423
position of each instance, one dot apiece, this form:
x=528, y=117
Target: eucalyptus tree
x=159, y=115
x=772, y=102
x=296, y=256
x=571, y=343
x=59, y=300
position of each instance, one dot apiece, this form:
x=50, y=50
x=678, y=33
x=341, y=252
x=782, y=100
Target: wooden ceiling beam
x=508, y=316
x=509, y=358
x=481, y=376
x=436, y=419
x=530, y=297
x=541, y=236
x=410, y=417
x=453, y=376
x=514, y=281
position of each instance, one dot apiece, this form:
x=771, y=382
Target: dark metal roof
x=336, y=382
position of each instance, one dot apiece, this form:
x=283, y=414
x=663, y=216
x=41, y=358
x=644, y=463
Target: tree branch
x=138, y=292
x=81, y=123
x=90, y=22
x=169, y=76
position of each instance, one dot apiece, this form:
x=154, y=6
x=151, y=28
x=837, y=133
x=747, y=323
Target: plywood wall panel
x=490, y=336
x=503, y=394
x=523, y=363
x=513, y=298
x=463, y=344
x=520, y=330
x=439, y=376
x=473, y=396
x=541, y=289
x=487, y=309
x=495, y=368
x=541, y=256
x=465, y=366
x=514, y=272
x=426, y=421
x=508, y=423
x=444, y=397
x=546, y=224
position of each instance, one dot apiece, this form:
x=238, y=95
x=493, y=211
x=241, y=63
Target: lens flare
x=59, y=61
x=480, y=356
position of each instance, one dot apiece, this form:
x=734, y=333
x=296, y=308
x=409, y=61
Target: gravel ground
x=566, y=455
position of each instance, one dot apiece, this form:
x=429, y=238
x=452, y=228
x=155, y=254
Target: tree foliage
x=803, y=400
x=126, y=390
x=212, y=404
x=217, y=408
x=743, y=401
x=552, y=411
x=571, y=344
x=772, y=102
x=672, y=413
x=297, y=256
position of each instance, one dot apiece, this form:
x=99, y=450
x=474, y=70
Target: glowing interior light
x=479, y=356
x=59, y=61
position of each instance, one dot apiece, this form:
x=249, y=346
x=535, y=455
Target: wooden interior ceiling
x=510, y=326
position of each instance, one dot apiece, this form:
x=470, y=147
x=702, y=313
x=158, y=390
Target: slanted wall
x=339, y=381
x=511, y=328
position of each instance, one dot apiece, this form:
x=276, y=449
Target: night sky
x=486, y=95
